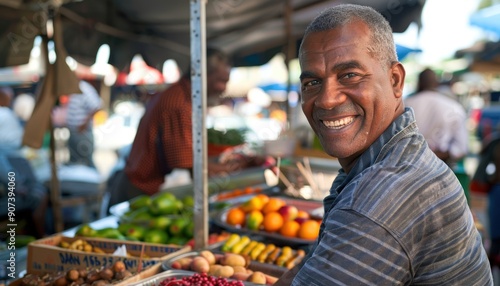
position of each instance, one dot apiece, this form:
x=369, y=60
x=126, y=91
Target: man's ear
x=398, y=74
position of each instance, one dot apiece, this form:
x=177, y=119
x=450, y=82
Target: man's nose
x=331, y=95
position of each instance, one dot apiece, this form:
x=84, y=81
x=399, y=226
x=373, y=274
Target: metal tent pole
x=198, y=94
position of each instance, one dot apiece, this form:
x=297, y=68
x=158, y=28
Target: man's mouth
x=338, y=124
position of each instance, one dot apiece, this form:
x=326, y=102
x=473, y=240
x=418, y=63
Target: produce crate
x=143, y=275
x=45, y=255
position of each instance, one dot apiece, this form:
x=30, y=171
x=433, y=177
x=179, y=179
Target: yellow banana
x=238, y=247
x=230, y=242
x=249, y=247
x=257, y=250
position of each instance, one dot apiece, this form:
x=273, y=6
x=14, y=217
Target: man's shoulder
x=177, y=92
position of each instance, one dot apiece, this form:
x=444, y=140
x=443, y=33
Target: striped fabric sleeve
x=355, y=251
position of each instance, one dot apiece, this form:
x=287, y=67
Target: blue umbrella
x=487, y=19
x=404, y=51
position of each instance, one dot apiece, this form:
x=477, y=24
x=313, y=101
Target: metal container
x=158, y=278
x=265, y=268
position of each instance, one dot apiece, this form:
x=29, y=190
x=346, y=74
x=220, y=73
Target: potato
x=209, y=256
x=232, y=259
x=240, y=276
x=200, y=265
x=270, y=280
x=257, y=277
x=239, y=269
x=223, y=271
x=185, y=263
x=176, y=265
x=214, y=268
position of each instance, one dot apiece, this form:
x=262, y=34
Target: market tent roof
x=484, y=57
x=487, y=19
x=251, y=31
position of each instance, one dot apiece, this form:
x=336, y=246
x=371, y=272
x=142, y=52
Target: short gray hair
x=382, y=48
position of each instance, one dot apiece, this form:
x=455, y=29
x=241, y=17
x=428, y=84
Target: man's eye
x=349, y=76
x=310, y=83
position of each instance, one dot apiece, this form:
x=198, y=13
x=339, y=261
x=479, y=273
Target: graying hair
x=382, y=42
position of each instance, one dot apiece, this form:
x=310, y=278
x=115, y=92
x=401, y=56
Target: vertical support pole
x=290, y=54
x=198, y=94
x=55, y=192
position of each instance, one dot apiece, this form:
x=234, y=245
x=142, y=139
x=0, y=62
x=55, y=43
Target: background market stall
x=251, y=31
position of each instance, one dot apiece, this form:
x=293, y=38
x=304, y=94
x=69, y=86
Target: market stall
x=156, y=237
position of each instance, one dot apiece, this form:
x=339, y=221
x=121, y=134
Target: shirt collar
x=403, y=125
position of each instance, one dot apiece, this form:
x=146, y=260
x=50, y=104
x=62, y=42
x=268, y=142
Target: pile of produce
x=227, y=265
x=96, y=276
x=229, y=137
x=160, y=219
x=81, y=245
x=262, y=252
x=200, y=279
x=273, y=215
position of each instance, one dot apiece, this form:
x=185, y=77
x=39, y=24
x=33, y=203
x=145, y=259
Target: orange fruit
x=273, y=205
x=235, y=216
x=253, y=204
x=309, y=229
x=303, y=214
x=273, y=221
x=290, y=228
x=263, y=198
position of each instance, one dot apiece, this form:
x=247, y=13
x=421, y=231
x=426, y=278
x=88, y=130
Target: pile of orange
x=273, y=205
x=308, y=229
x=236, y=216
x=290, y=228
x=273, y=221
x=270, y=219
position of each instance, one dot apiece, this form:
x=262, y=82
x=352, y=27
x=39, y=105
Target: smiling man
x=396, y=214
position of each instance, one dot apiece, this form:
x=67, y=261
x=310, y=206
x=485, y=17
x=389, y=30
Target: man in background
x=79, y=119
x=441, y=119
x=163, y=141
x=31, y=197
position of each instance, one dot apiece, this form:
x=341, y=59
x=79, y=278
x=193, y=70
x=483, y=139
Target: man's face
x=217, y=80
x=348, y=97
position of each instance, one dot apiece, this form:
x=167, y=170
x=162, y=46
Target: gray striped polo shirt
x=400, y=217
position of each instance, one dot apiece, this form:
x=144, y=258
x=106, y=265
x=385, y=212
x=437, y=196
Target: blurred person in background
x=486, y=180
x=23, y=106
x=441, y=119
x=80, y=112
x=11, y=129
x=163, y=141
x=31, y=197
x=443, y=122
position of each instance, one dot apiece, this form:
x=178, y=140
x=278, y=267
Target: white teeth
x=337, y=124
